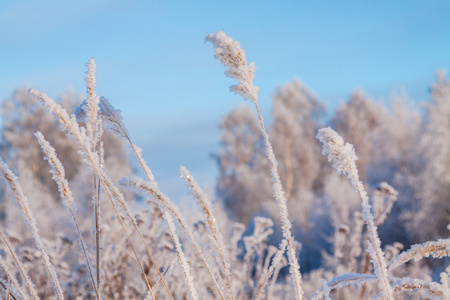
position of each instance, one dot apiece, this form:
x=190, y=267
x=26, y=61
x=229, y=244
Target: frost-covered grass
x=162, y=251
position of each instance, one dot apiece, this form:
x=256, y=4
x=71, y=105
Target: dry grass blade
x=436, y=249
x=9, y=291
x=433, y=289
x=97, y=231
x=182, y=258
x=9, y=294
x=91, y=157
x=165, y=205
x=230, y=53
x=116, y=196
x=275, y=261
x=155, y=286
x=22, y=203
x=111, y=195
x=345, y=280
x=343, y=157
x=21, y=268
x=91, y=107
x=94, y=131
x=58, y=172
x=12, y=280
x=112, y=119
x=67, y=122
x=294, y=267
x=211, y=224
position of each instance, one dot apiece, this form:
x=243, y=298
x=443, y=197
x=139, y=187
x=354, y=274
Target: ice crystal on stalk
x=229, y=52
x=341, y=154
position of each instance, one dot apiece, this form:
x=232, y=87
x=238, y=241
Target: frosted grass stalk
x=275, y=261
x=180, y=254
x=436, y=249
x=383, y=200
x=94, y=131
x=22, y=204
x=210, y=222
x=92, y=105
x=342, y=281
x=12, y=279
x=229, y=53
x=433, y=289
x=165, y=205
x=78, y=133
x=92, y=158
x=113, y=120
x=155, y=286
x=343, y=157
x=68, y=122
x=58, y=175
x=20, y=266
x=182, y=258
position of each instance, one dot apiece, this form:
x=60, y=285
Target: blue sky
x=153, y=63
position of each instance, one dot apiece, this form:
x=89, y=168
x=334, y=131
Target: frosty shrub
x=285, y=225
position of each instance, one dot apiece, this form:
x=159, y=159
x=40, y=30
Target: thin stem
x=155, y=286
x=282, y=204
x=149, y=177
x=153, y=260
x=66, y=196
x=129, y=240
x=20, y=266
x=159, y=195
x=5, y=288
x=373, y=237
x=86, y=256
x=162, y=200
x=275, y=262
x=97, y=230
x=210, y=223
x=9, y=290
x=22, y=202
x=12, y=280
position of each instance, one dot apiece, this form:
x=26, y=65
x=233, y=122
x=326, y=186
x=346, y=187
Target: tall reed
x=344, y=159
x=22, y=204
x=229, y=53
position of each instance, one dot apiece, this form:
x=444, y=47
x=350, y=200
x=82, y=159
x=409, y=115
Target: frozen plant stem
x=25, y=276
x=229, y=52
x=12, y=279
x=344, y=159
x=294, y=267
x=94, y=131
x=22, y=204
x=275, y=261
x=58, y=172
x=167, y=208
x=78, y=134
x=210, y=222
x=97, y=231
x=113, y=121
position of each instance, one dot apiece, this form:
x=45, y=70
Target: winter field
x=352, y=207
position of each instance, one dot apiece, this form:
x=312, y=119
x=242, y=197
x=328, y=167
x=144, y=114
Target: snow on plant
x=139, y=251
x=343, y=157
x=229, y=52
x=22, y=204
